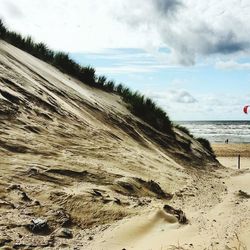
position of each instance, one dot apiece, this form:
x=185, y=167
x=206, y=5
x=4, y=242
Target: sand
x=219, y=217
x=228, y=154
x=231, y=150
x=76, y=157
x=220, y=221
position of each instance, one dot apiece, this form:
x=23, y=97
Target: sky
x=192, y=57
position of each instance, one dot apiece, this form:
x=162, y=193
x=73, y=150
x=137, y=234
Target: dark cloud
x=167, y=6
x=140, y=13
x=229, y=45
x=203, y=41
x=194, y=29
x=223, y=42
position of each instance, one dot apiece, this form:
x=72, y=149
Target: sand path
x=220, y=221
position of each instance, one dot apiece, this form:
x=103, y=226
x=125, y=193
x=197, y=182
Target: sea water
x=220, y=131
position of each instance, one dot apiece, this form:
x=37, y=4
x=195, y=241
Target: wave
x=219, y=131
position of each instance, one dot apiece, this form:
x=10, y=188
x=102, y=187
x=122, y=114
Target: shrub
x=146, y=109
x=87, y=75
x=29, y=44
x=206, y=144
x=101, y=80
x=119, y=88
x=109, y=86
x=43, y=52
x=184, y=129
x=2, y=29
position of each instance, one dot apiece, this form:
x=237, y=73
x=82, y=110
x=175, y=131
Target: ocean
x=219, y=131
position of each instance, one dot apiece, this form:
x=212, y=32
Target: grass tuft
x=206, y=144
x=184, y=129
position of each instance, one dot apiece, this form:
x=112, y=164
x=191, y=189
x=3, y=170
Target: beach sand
x=231, y=150
x=218, y=214
x=227, y=154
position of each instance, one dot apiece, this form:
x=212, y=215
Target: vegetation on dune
x=146, y=109
x=206, y=144
x=141, y=106
x=184, y=129
x=2, y=29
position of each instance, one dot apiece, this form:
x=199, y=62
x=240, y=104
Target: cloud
x=12, y=9
x=197, y=29
x=133, y=67
x=184, y=104
x=178, y=96
x=167, y=7
x=124, y=61
x=231, y=64
x=190, y=30
x=74, y=26
x=183, y=97
x=124, y=69
x=222, y=104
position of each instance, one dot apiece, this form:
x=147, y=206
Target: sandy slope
x=76, y=157
x=220, y=221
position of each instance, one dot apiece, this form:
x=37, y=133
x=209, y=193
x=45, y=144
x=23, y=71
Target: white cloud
x=133, y=67
x=176, y=96
x=190, y=29
x=73, y=26
x=12, y=10
x=182, y=105
x=124, y=69
x=231, y=64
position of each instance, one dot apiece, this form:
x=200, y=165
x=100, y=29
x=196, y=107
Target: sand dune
x=76, y=162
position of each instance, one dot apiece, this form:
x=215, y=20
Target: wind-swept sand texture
x=219, y=218
x=76, y=158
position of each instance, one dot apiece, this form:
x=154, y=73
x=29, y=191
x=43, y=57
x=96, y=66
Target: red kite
x=245, y=109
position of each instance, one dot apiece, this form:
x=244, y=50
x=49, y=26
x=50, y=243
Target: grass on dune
x=141, y=106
